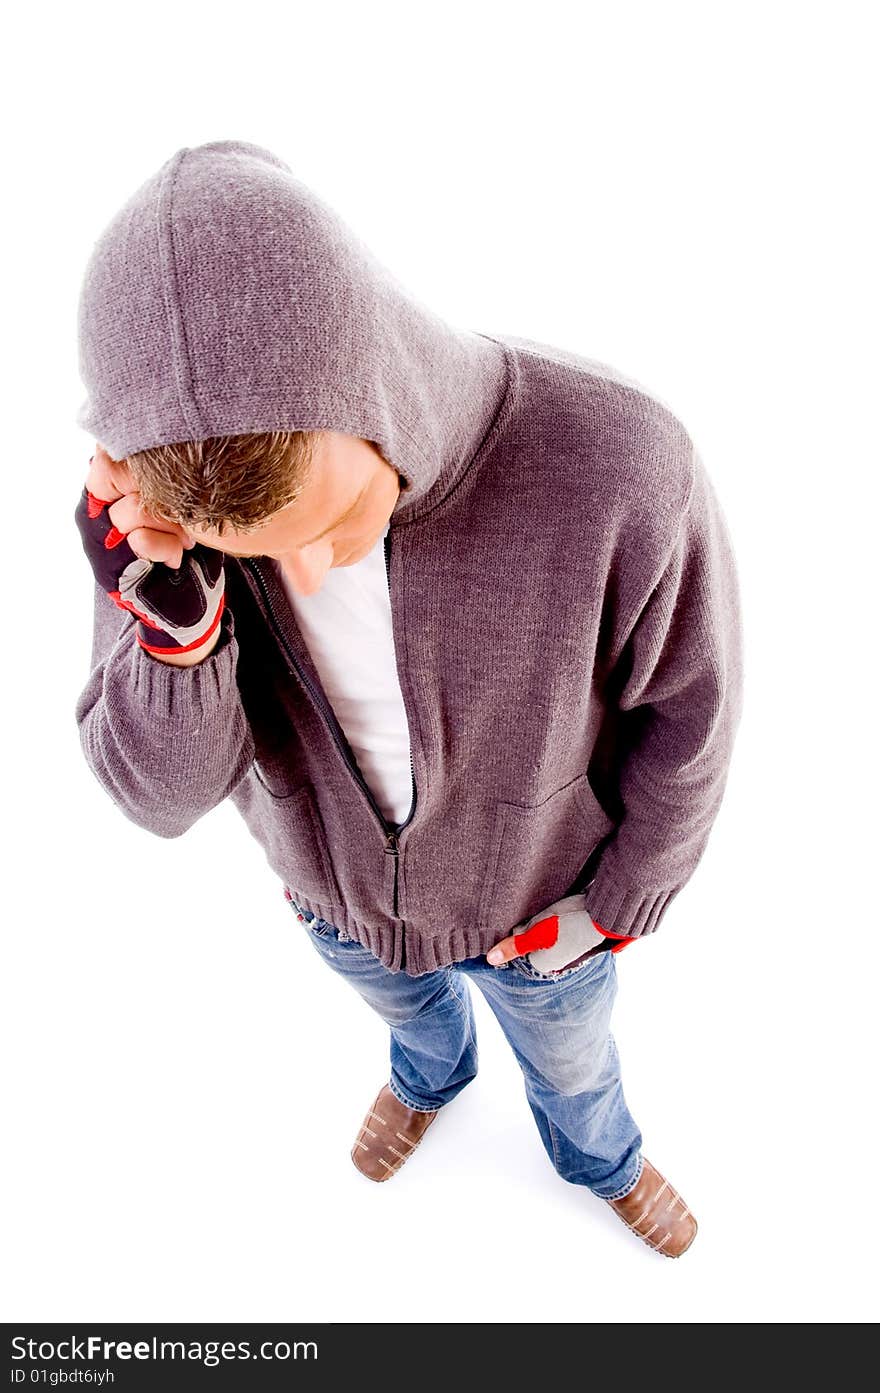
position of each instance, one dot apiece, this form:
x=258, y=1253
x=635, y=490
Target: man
x=452, y=619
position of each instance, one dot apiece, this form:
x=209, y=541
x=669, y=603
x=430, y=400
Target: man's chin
x=357, y=554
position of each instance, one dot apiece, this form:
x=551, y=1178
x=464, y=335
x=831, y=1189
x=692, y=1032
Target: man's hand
x=149, y=537
x=558, y=935
x=543, y=933
x=153, y=568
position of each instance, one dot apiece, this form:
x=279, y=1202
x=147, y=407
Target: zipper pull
x=391, y=847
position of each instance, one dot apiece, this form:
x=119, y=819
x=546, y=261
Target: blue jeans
x=557, y=1027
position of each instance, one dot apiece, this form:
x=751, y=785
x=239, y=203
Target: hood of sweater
x=226, y=297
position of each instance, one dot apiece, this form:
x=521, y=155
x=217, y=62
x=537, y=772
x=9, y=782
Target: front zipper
x=412, y=771
x=390, y=830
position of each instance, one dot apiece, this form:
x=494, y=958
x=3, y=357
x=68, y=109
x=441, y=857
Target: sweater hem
x=398, y=947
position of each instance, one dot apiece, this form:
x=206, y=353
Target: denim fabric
x=557, y=1027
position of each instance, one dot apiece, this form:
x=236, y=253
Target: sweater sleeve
x=680, y=684
x=166, y=743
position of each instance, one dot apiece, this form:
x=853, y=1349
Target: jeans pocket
x=579, y=966
x=317, y=926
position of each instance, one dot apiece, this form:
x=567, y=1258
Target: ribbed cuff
x=185, y=693
x=624, y=910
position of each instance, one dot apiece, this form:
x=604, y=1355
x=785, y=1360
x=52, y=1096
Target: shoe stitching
x=657, y=1247
x=390, y=1169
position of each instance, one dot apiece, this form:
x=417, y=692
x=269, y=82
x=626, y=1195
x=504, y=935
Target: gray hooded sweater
x=564, y=596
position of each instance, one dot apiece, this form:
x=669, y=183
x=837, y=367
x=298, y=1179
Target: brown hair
x=237, y=479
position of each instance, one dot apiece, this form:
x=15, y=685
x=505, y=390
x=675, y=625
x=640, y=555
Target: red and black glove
x=178, y=609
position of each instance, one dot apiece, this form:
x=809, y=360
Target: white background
x=682, y=190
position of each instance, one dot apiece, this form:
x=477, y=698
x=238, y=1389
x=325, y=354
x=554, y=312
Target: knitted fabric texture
x=224, y=297
x=564, y=595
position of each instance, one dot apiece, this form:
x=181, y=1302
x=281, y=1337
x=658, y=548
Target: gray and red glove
x=563, y=933
x=178, y=610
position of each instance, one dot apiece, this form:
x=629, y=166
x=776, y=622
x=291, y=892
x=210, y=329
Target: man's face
x=336, y=520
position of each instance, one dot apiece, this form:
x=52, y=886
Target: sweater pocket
x=290, y=830
x=537, y=851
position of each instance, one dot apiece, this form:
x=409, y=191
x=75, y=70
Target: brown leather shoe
x=657, y=1214
x=389, y=1135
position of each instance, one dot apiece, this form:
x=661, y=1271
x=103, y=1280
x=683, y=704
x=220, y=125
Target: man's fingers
x=108, y=479
x=156, y=546
x=117, y=471
x=129, y=513
x=503, y=951
x=100, y=483
x=542, y=934
x=111, y=481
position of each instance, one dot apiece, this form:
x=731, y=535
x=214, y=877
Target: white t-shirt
x=346, y=625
